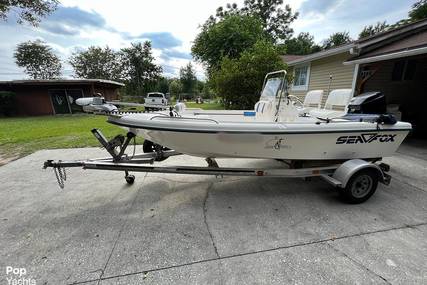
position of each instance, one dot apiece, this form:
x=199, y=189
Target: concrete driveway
x=183, y=229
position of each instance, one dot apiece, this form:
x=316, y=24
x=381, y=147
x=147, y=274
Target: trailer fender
x=346, y=170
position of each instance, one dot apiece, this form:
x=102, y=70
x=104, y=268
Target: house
x=50, y=97
x=393, y=62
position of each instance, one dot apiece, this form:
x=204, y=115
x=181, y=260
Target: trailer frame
x=354, y=177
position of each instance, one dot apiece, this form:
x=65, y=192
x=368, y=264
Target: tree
x=97, y=62
x=239, y=81
x=187, y=77
x=229, y=37
x=27, y=11
x=207, y=91
x=162, y=85
x=418, y=11
x=38, y=60
x=275, y=19
x=337, y=39
x=301, y=45
x=175, y=87
x=200, y=86
x=373, y=29
x=140, y=71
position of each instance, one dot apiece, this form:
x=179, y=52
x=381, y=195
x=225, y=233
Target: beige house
x=392, y=62
x=322, y=71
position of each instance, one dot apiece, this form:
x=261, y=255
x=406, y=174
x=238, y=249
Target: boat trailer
x=356, y=178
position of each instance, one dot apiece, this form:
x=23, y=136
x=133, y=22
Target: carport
x=56, y=96
x=399, y=70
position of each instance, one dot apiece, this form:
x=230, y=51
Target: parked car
x=155, y=101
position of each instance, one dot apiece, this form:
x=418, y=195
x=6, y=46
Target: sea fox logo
x=365, y=138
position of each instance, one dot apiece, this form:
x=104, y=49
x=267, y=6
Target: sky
x=171, y=26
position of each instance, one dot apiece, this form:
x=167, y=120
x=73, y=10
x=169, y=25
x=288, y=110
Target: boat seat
x=335, y=106
x=264, y=110
x=312, y=100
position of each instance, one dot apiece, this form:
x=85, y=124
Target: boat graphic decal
x=277, y=143
x=366, y=138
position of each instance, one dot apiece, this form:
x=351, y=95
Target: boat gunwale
x=278, y=132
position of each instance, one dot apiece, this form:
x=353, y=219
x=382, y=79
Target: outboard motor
x=368, y=103
x=369, y=107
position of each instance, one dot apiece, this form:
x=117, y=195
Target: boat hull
x=291, y=141
x=318, y=146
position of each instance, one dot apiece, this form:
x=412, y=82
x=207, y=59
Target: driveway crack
x=357, y=263
x=205, y=210
x=408, y=184
x=254, y=252
x=119, y=235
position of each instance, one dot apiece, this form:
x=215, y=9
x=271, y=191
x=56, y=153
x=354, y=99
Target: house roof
x=31, y=82
x=322, y=54
x=410, y=27
x=411, y=45
x=378, y=43
x=290, y=57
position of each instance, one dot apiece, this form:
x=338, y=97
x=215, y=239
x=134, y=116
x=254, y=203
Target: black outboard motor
x=368, y=103
x=369, y=107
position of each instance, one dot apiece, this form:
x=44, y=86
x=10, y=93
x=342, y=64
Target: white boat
x=345, y=151
x=273, y=130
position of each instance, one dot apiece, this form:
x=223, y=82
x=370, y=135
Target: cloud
x=77, y=17
x=323, y=17
x=160, y=40
x=318, y=6
x=169, y=70
x=68, y=21
x=172, y=53
x=367, y=11
x=64, y=30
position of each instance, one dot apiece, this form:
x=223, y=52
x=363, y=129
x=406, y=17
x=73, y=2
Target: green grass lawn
x=22, y=136
x=205, y=106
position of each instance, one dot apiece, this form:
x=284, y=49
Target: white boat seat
x=338, y=97
x=312, y=100
x=335, y=106
x=264, y=110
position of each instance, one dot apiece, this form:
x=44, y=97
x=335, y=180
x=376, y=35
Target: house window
x=301, y=76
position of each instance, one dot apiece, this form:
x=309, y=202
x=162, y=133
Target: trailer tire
x=130, y=179
x=361, y=186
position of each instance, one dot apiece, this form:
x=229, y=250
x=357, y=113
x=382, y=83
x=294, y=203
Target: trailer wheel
x=130, y=179
x=149, y=146
x=361, y=186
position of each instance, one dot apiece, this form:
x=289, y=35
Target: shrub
x=238, y=82
x=7, y=103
